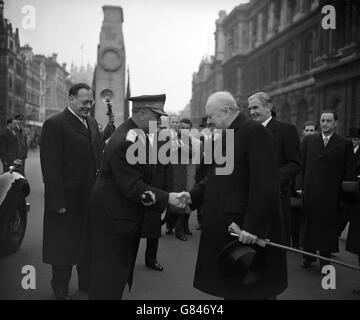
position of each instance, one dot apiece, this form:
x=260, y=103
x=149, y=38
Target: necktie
x=84, y=122
x=326, y=140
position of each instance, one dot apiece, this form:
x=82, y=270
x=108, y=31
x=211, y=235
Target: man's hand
x=185, y=197
x=244, y=236
x=61, y=211
x=148, y=198
x=177, y=201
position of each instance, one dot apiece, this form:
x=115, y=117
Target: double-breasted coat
x=353, y=239
x=70, y=155
x=324, y=170
x=117, y=213
x=249, y=196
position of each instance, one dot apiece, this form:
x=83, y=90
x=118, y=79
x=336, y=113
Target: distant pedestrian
x=23, y=143
x=9, y=145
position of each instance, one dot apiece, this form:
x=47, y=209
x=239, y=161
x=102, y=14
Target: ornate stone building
x=209, y=77
x=57, y=86
x=279, y=46
x=12, y=71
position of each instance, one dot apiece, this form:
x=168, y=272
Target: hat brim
x=244, y=263
x=163, y=113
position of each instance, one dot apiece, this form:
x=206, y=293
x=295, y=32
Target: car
x=14, y=189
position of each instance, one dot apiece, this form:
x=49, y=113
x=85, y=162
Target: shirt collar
x=356, y=149
x=328, y=137
x=266, y=122
x=82, y=120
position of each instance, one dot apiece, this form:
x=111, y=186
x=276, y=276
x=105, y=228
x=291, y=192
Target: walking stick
x=263, y=242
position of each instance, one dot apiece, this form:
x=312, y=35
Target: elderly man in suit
x=122, y=193
x=287, y=144
x=9, y=145
x=70, y=152
x=248, y=196
x=328, y=160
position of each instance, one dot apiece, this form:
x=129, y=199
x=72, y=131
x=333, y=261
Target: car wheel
x=13, y=229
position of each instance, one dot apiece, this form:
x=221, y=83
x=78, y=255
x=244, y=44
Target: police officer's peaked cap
x=154, y=102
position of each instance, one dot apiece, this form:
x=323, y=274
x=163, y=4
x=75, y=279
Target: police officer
x=122, y=192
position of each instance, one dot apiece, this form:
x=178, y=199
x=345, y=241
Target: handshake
x=179, y=199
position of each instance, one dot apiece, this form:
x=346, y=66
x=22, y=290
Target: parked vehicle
x=14, y=189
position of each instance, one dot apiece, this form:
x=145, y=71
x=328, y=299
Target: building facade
x=57, y=86
x=209, y=78
x=280, y=46
x=12, y=71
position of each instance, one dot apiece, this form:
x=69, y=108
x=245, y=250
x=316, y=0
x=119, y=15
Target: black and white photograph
x=180, y=154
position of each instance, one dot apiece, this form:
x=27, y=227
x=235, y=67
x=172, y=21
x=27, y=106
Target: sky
x=165, y=40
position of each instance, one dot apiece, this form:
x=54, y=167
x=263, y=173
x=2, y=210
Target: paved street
x=177, y=257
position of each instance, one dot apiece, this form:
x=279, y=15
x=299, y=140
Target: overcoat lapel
x=78, y=126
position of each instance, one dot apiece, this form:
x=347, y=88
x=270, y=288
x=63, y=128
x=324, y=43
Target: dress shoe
x=169, y=232
x=155, y=266
x=188, y=232
x=356, y=291
x=181, y=237
x=306, y=264
x=61, y=295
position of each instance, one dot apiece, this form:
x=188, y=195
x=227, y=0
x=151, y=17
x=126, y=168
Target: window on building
x=265, y=21
x=18, y=90
x=11, y=45
x=291, y=10
x=340, y=31
x=308, y=55
x=19, y=69
x=307, y=5
x=231, y=42
x=277, y=15
x=291, y=60
x=10, y=83
x=275, y=66
x=11, y=62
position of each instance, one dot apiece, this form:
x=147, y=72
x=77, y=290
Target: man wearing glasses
x=70, y=152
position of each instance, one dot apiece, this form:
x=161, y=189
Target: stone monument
x=110, y=70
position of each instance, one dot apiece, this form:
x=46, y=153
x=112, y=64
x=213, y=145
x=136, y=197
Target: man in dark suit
x=287, y=144
x=9, y=145
x=248, y=196
x=353, y=239
x=328, y=160
x=122, y=192
x=70, y=153
x=19, y=129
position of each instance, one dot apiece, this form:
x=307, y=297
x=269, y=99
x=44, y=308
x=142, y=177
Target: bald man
x=287, y=144
x=248, y=197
